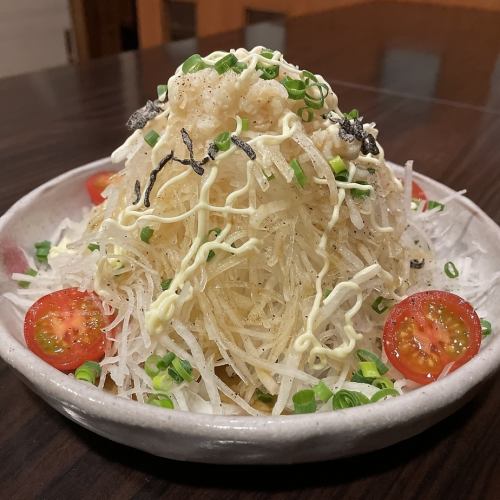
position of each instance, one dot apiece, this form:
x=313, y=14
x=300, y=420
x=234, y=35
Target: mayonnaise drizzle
x=163, y=309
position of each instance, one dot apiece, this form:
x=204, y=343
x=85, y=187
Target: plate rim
x=100, y=404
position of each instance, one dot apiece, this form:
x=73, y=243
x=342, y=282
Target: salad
x=254, y=255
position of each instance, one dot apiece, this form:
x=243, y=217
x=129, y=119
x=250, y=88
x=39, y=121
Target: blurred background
x=443, y=48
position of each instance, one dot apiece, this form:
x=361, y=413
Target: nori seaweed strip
x=357, y=128
x=246, y=148
x=137, y=190
x=140, y=118
x=183, y=162
x=152, y=177
x=372, y=145
x=417, y=264
x=212, y=150
x=189, y=145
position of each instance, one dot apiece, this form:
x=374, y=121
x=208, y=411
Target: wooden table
x=430, y=77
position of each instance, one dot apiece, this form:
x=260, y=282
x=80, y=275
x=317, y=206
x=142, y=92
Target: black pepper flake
x=245, y=147
x=137, y=191
x=417, y=264
x=189, y=145
x=153, y=175
x=139, y=118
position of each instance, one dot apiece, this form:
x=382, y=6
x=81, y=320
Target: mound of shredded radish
x=261, y=276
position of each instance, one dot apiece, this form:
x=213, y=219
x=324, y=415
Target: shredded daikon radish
x=271, y=280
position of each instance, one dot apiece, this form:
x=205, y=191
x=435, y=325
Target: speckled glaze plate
x=219, y=439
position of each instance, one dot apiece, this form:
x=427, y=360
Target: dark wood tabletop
x=430, y=78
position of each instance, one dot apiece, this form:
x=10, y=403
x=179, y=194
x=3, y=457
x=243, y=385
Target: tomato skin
x=413, y=311
x=64, y=328
x=417, y=193
x=96, y=185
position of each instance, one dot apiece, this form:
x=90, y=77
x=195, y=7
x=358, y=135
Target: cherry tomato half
x=417, y=193
x=427, y=331
x=96, y=184
x=64, y=328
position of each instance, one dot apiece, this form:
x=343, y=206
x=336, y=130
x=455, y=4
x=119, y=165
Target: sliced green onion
x=327, y=292
x=296, y=88
x=485, y=327
x=244, y=124
x=435, y=204
x=162, y=382
x=348, y=399
x=377, y=305
x=268, y=72
x=151, y=365
x=354, y=113
x=299, y=173
x=357, y=376
x=267, y=53
x=268, y=177
x=193, y=64
x=322, y=392
x=239, y=67
x=93, y=247
x=451, y=270
x=183, y=368
x=312, y=100
x=364, y=355
x=216, y=231
x=337, y=165
x=360, y=193
x=369, y=369
x=383, y=383
x=42, y=251
x=383, y=393
x=152, y=138
x=223, y=141
x=88, y=371
x=165, y=284
x=174, y=375
x=166, y=361
x=342, y=177
x=146, y=233
x=30, y=272
x=307, y=75
x=304, y=401
x=163, y=401
x=264, y=397
x=161, y=89
x=309, y=114
x=225, y=63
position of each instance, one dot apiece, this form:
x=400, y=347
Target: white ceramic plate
x=219, y=439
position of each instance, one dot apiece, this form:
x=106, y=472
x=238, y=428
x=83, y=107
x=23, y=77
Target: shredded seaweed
x=140, y=118
x=369, y=145
x=353, y=129
x=137, y=191
x=154, y=175
x=245, y=147
x=212, y=151
x=189, y=145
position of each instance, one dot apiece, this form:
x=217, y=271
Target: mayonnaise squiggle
x=259, y=309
